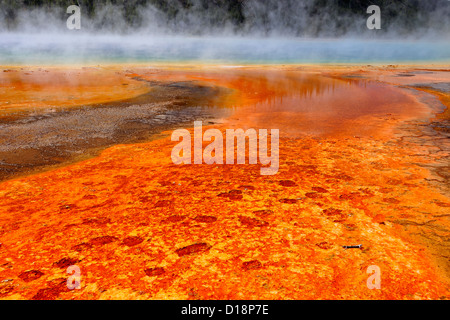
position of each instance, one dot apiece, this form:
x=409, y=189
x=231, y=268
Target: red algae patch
x=5, y=290
x=288, y=201
x=102, y=240
x=82, y=247
x=153, y=272
x=232, y=195
x=252, y=222
x=192, y=249
x=287, y=183
x=31, y=275
x=66, y=262
x=263, y=212
x=324, y=245
x=206, y=219
x=56, y=287
x=162, y=203
x=252, y=265
x=132, y=241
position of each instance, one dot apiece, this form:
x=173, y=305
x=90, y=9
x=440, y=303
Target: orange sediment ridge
x=140, y=227
x=35, y=88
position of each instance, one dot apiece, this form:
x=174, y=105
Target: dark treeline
x=294, y=17
x=130, y=9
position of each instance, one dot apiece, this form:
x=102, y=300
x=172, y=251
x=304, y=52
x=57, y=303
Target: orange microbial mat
x=363, y=160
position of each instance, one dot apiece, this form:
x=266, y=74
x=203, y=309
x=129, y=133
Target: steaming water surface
x=80, y=48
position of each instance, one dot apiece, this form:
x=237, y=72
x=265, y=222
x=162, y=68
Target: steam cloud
x=224, y=30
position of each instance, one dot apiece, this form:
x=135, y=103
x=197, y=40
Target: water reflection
x=305, y=103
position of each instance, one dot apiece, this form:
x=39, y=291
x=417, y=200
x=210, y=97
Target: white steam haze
x=271, y=31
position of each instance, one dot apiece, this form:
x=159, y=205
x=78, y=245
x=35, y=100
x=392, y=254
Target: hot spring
x=34, y=49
